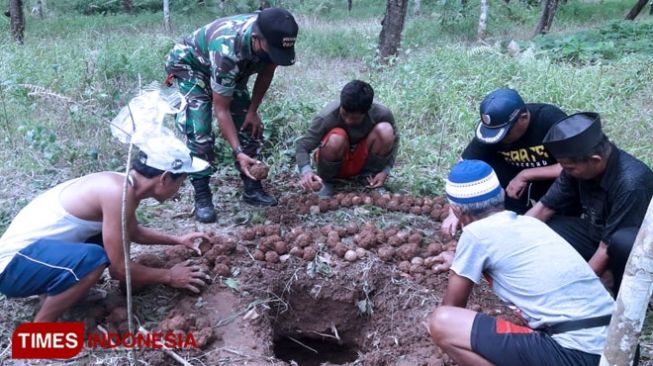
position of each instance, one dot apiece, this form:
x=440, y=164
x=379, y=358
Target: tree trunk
x=349, y=4
x=632, y=302
x=128, y=6
x=548, y=12
x=417, y=11
x=632, y=14
x=167, y=25
x=391, y=27
x=482, y=20
x=17, y=20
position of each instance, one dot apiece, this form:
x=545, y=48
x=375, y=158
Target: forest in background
x=82, y=60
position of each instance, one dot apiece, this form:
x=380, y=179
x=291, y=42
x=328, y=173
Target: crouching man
x=47, y=250
x=351, y=137
x=528, y=265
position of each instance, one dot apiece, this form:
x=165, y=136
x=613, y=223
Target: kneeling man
x=353, y=137
x=48, y=249
x=565, y=305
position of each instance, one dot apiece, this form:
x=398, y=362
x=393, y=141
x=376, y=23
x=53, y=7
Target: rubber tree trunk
x=391, y=27
x=482, y=20
x=632, y=302
x=349, y=5
x=17, y=20
x=548, y=12
x=632, y=14
x=128, y=5
x=167, y=24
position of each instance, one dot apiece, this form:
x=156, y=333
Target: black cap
x=499, y=111
x=574, y=136
x=279, y=29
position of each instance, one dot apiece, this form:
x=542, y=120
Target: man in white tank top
x=46, y=251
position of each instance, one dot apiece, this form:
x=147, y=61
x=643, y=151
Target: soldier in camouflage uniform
x=212, y=67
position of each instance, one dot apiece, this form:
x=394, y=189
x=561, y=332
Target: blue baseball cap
x=499, y=112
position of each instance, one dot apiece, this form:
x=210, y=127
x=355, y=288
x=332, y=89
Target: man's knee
x=621, y=243
x=439, y=324
x=385, y=132
x=334, y=145
x=382, y=138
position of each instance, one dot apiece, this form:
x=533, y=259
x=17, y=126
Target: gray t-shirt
x=536, y=270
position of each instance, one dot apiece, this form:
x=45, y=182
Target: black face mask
x=263, y=56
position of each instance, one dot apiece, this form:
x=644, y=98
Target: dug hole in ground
x=342, y=281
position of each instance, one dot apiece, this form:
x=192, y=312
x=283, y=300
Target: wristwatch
x=237, y=151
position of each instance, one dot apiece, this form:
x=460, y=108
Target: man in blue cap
x=613, y=187
x=509, y=138
x=565, y=306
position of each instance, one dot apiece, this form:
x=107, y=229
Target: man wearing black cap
x=509, y=138
x=212, y=67
x=613, y=187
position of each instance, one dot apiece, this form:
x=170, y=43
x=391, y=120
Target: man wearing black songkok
x=613, y=187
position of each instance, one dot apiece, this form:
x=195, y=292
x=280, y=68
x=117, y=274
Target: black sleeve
x=563, y=193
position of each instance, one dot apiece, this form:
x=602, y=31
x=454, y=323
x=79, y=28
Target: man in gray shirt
x=528, y=265
x=352, y=137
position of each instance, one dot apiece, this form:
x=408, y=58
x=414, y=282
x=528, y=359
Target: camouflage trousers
x=197, y=120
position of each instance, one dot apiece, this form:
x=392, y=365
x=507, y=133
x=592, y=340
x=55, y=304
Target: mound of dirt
x=307, y=288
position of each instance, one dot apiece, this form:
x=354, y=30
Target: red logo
x=47, y=340
x=66, y=340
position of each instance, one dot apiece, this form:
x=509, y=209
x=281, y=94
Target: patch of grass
x=610, y=42
x=60, y=98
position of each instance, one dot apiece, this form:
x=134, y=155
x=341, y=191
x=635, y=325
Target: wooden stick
x=303, y=345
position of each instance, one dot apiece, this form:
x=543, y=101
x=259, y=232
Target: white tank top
x=44, y=217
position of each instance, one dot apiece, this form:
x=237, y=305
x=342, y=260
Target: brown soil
x=259, y=171
x=315, y=290
x=282, y=289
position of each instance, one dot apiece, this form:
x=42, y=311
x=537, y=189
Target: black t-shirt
x=618, y=200
x=508, y=160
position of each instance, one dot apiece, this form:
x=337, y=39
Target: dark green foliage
x=610, y=42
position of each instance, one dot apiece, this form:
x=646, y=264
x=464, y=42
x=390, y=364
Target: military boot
x=254, y=194
x=204, y=209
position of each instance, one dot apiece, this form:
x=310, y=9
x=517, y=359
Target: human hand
x=244, y=161
x=517, y=186
x=450, y=224
x=191, y=240
x=377, y=181
x=253, y=123
x=188, y=275
x=308, y=179
x=442, y=262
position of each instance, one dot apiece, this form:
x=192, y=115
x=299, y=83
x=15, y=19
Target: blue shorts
x=506, y=344
x=50, y=267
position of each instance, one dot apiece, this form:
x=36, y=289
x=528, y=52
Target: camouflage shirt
x=223, y=51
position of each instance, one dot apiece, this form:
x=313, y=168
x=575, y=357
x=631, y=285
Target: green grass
x=609, y=42
x=60, y=90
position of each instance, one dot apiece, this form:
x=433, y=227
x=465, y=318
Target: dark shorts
x=50, y=267
x=506, y=344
